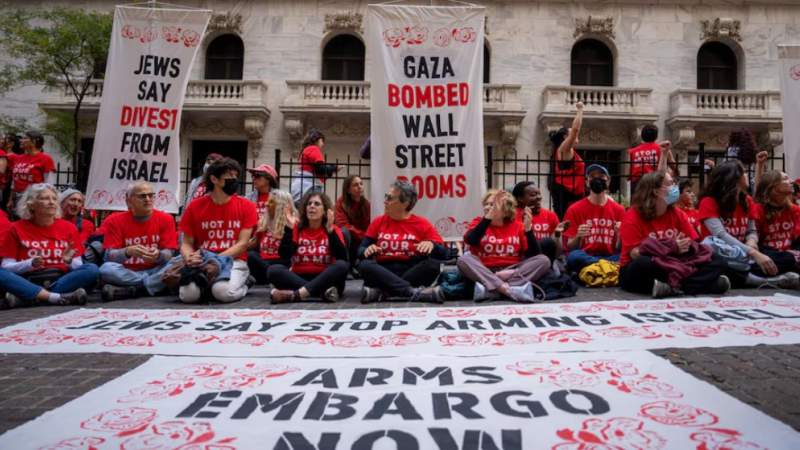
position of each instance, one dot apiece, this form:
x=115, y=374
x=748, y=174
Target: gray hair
x=25, y=202
x=134, y=186
x=408, y=193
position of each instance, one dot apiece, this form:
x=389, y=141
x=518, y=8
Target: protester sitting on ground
x=138, y=245
x=593, y=233
x=270, y=230
x=318, y=254
x=313, y=170
x=778, y=218
x=352, y=212
x=42, y=248
x=401, y=252
x=197, y=188
x=568, y=183
x=265, y=178
x=644, y=157
x=687, y=202
x=728, y=214
x=658, y=242
x=31, y=167
x=71, y=201
x=215, y=227
x=504, y=257
x=546, y=227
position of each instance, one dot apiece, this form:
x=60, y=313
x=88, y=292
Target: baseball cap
x=593, y=167
x=267, y=169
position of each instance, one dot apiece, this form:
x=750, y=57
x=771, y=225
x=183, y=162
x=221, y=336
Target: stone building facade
x=698, y=69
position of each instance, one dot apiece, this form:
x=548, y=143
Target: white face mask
x=205, y=167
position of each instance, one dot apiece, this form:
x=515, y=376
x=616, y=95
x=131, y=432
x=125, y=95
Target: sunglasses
x=146, y=195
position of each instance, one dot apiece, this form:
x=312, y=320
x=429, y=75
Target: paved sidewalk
x=766, y=377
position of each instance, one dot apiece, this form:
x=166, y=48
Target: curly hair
x=281, y=200
x=644, y=199
x=219, y=168
x=766, y=184
x=31, y=194
x=312, y=137
x=723, y=187
x=509, y=204
x=743, y=140
x=326, y=206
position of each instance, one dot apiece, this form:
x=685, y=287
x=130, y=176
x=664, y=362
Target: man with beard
x=546, y=227
x=596, y=220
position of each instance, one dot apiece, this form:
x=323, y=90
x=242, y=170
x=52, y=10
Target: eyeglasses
x=389, y=197
x=314, y=203
x=146, y=195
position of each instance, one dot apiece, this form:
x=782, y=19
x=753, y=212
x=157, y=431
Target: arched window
x=717, y=67
x=225, y=58
x=343, y=59
x=486, y=63
x=592, y=64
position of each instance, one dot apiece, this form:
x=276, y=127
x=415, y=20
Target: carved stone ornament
x=348, y=21
x=595, y=25
x=683, y=136
x=294, y=127
x=721, y=27
x=226, y=22
x=254, y=127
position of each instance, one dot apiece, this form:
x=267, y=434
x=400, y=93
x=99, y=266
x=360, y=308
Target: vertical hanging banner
x=790, y=100
x=427, y=109
x=149, y=61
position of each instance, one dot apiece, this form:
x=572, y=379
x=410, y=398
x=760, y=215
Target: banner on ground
x=515, y=402
x=614, y=325
x=427, y=108
x=789, y=56
x=149, y=61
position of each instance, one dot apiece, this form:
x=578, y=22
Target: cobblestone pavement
x=766, y=377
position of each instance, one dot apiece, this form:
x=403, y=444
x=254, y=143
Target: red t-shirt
x=673, y=224
x=268, y=245
x=25, y=240
x=601, y=237
x=736, y=225
x=644, y=159
x=217, y=227
x=30, y=169
x=4, y=175
x=573, y=177
x=500, y=246
x=781, y=231
x=261, y=203
x=122, y=230
x=398, y=239
x=87, y=228
x=313, y=253
x=544, y=223
x=309, y=157
x=5, y=224
x=692, y=214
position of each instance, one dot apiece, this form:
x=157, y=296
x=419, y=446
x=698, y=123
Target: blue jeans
x=82, y=277
x=578, y=259
x=118, y=275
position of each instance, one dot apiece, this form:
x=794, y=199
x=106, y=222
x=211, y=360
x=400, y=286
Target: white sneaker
x=661, y=289
x=522, y=294
x=788, y=280
x=480, y=292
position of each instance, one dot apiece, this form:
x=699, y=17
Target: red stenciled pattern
x=465, y=34
x=155, y=390
x=130, y=32
x=541, y=370
x=210, y=315
x=396, y=314
x=400, y=339
x=613, y=434
x=395, y=339
x=457, y=313
x=274, y=315
x=646, y=386
x=42, y=336
x=188, y=337
x=236, y=381
x=566, y=336
x=144, y=340
x=78, y=443
x=178, y=435
x=98, y=338
x=572, y=379
x=330, y=315
x=670, y=413
x=100, y=197
x=794, y=72
x=148, y=35
x=442, y=37
x=517, y=310
x=190, y=38
x=612, y=367
x=122, y=421
x=201, y=370
x=738, y=303
x=171, y=34
x=252, y=339
x=495, y=339
x=644, y=332
x=697, y=330
x=265, y=370
x=722, y=439
x=163, y=198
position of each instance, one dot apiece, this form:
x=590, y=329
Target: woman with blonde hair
x=778, y=218
x=272, y=225
x=504, y=257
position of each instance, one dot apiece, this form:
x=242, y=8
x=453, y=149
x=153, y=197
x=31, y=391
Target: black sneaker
x=76, y=297
x=109, y=293
x=429, y=295
x=251, y=281
x=371, y=295
x=331, y=295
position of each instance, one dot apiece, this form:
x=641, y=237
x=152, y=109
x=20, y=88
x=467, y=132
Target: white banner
x=515, y=402
x=790, y=102
x=426, y=79
x=611, y=326
x=149, y=63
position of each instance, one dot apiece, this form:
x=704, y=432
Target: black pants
x=549, y=248
x=784, y=261
x=639, y=274
x=398, y=278
x=258, y=266
x=562, y=198
x=333, y=275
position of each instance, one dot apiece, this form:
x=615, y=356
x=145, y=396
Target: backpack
x=557, y=286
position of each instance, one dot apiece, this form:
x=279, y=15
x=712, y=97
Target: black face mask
x=598, y=185
x=231, y=186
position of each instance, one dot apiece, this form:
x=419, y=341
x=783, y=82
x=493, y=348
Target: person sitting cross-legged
x=272, y=225
x=139, y=243
x=42, y=249
x=316, y=247
x=504, y=256
x=401, y=252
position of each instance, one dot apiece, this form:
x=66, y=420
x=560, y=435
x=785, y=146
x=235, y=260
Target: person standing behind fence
x=567, y=184
x=313, y=170
x=742, y=146
x=546, y=227
x=71, y=201
x=265, y=178
x=352, y=212
x=687, y=203
x=197, y=188
x=31, y=167
x=644, y=157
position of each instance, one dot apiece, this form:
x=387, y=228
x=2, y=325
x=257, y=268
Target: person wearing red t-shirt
x=352, y=212
x=686, y=203
x=265, y=178
x=644, y=157
x=33, y=166
x=9, y=143
x=504, y=257
x=546, y=226
x=593, y=233
x=272, y=226
x=313, y=171
x=728, y=214
x=41, y=248
x=71, y=201
x=216, y=227
x=653, y=215
x=568, y=182
x=138, y=245
x=400, y=252
x=778, y=221
x=317, y=252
